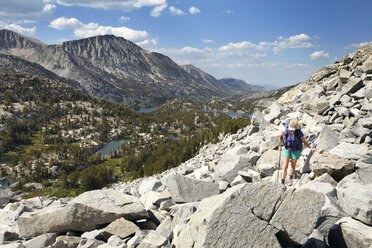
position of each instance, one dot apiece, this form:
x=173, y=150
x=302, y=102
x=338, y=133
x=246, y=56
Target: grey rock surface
x=184, y=189
x=84, y=213
x=327, y=139
x=355, y=200
x=348, y=232
x=113, y=202
x=227, y=211
x=228, y=167
x=299, y=214
x=43, y=240
x=5, y=196
x=350, y=151
x=122, y=228
x=334, y=165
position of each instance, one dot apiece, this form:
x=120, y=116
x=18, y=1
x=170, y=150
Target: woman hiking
x=293, y=139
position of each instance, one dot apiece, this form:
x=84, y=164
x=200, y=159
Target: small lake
x=4, y=183
x=174, y=136
x=233, y=115
x=112, y=146
x=146, y=110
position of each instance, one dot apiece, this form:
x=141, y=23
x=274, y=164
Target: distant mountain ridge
x=240, y=84
x=115, y=69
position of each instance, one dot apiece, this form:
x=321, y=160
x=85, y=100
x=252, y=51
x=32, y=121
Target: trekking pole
x=277, y=174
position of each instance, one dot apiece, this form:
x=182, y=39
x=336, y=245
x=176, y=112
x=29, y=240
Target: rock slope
x=229, y=194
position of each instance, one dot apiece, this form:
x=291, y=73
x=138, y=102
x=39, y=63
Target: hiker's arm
x=281, y=139
x=307, y=144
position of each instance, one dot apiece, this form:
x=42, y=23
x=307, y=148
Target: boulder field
x=229, y=195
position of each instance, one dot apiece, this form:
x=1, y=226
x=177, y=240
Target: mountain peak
x=10, y=39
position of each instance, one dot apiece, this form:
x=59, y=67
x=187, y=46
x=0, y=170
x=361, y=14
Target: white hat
x=291, y=128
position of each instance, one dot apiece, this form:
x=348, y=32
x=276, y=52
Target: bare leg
x=285, y=167
x=293, y=166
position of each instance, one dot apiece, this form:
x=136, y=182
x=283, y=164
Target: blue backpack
x=294, y=144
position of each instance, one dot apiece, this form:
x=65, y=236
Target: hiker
x=293, y=139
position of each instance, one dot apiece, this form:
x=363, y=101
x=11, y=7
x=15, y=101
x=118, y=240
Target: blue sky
x=266, y=42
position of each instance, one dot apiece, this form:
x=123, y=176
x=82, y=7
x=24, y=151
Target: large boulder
x=150, y=184
x=327, y=139
x=366, y=122
x=153, y=240
x=367, y=66
x=84, y=213
x=122, y=228
x=113, y=202
x=43, y=240
x=228, y=167
x=318, y=106
x=184, y=189
x=257, y=118
x=352, y=86
x=344, y=75
x=5, y=196
x=237, y=150
x=348, y=232
x=334, y=165
x=350, y=151
x=299, y=214
x=276, y=111
x=236, y=218
x=355, y=200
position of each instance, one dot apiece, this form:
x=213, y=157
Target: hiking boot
x=290, y=183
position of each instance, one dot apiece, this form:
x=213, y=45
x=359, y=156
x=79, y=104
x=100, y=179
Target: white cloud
x=19, y=29
x=240, y=46
x=356, y=46
x=193, y=10
x=207, y=41
x=228, y=12
x=63, y=23
x=82, y=30
x=124, y=18
x=175, y=11
x=319, y=55
x=147, y=43
x=156, y=12
x=125, y=5
x=26, y=10
x=296, y=41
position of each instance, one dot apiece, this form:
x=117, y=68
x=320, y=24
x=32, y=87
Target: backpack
x=296, y=143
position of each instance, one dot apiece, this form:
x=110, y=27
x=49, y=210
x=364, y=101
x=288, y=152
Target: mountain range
x=115, y=69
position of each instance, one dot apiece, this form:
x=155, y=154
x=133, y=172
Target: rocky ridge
x=242, y=85
x=229, y=195
x=114, y=69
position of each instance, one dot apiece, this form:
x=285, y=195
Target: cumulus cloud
x=125, y=5
x=19, y=29
x=147, y=43
x=175, y=11
x=156, y=12
x=319, y=55
x=124, y=18
x=26, y=10
x=207, y=41
x=240, y=46
x=296, y=41
x=356, y=46
x=63, y=23
x=82, y=30
x=193, y=10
